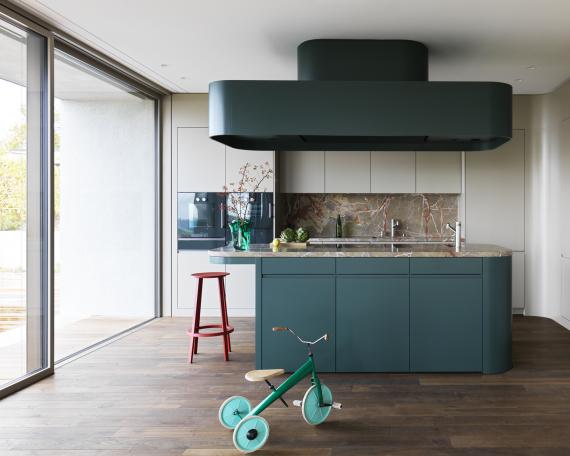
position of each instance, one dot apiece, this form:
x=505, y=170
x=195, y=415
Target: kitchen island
x=386, y=308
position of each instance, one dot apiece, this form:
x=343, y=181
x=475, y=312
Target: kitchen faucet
x=394, y=225
x=457, y=231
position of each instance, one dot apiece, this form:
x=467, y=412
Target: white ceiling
x=206, y=40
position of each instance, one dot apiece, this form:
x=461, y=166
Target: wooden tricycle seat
x=263, y=374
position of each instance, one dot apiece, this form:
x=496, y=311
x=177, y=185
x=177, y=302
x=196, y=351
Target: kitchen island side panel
x=497, y=315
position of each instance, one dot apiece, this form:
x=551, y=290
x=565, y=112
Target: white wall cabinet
x=201, y=161
x=518, y=271
x=438, y=172
x=494, y=194
x=347, y=172
x=240, y=286
x=189, y=262
x=240, y=289
x=236, y=158
x=302, y=171
x=392, y=172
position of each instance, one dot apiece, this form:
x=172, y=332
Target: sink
x=377, y=241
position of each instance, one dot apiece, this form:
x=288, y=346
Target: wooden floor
x=138, y=396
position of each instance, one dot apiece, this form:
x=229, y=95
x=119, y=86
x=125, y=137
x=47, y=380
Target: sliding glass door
x=105, y=210
x=24, y=205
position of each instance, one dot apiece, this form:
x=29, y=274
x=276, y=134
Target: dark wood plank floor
x=138, y=396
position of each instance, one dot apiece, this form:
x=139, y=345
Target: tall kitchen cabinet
x=565, y=216
x=494, y=203
x=201, y=164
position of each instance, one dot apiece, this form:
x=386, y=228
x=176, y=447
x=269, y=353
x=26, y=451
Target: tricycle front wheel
x=313, y=413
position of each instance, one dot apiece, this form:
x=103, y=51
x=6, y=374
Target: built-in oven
x=201, y=220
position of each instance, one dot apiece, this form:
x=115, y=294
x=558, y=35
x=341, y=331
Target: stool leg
x=226, y=315
x=222, y=291
x=196, y=321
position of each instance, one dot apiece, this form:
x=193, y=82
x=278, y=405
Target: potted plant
x=251, y=179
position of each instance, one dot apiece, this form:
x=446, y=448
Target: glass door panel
x=23, y=204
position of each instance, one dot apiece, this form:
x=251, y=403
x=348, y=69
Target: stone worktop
x=388, y=250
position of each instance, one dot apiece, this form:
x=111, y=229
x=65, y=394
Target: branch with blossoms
x=251, y=179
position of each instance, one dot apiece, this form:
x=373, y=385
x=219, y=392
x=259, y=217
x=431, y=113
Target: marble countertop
x=364, y=251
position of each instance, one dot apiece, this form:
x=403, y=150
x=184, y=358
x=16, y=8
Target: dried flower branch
x=238, y=203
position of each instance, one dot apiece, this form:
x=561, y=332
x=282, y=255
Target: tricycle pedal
x=298, y=403
x=337, y=405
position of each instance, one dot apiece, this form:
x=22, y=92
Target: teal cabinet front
x=446, y=323
x=307, y=305
x=372, y=321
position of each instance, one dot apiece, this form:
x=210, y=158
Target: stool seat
x=210, y=275
x=263, y=374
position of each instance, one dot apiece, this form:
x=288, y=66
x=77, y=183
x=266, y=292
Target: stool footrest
x=229, y=329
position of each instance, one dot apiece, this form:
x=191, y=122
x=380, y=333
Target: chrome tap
x=394, y=225
x=457, y=231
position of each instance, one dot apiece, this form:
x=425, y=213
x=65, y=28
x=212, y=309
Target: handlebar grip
x=326, y=337
x=280, y=328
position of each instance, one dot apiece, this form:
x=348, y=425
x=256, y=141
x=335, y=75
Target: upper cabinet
x=393, y=172
x=237, y=158
x=201, y=161
x=494, y=194
x=438, y=172
x=370, y=172
x=347, y=172
x=302, y=171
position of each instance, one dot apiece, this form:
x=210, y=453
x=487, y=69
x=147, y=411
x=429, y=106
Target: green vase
x=241, y=234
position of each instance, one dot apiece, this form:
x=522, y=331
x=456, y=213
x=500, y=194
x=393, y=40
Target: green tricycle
x=251, y=430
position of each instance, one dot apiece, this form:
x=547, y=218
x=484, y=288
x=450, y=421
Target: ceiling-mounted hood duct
x=360, y=95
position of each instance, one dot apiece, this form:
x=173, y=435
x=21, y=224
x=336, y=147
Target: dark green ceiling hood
x=360, y=95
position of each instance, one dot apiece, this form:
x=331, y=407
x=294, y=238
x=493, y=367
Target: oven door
x=201, y=221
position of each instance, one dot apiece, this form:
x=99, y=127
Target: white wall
x=107, y=211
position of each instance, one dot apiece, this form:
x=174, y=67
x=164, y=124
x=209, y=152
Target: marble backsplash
x=420, y=215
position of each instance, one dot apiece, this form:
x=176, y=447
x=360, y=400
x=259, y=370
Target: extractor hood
x=361, y=95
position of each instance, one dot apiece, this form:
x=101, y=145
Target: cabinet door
x=494, y=194
x=347, y=172
x=305, y=304
x=201, y=161
x=438, y=172
x=236, y=158
x=565, y=185
x=565, y=301
x=393, y=172
x=518, y=281
x=240, y=289
x=189, y=262
x=302, y=171
x=372, y=324
x=445, y=324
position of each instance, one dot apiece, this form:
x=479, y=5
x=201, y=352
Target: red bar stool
x=225, y=327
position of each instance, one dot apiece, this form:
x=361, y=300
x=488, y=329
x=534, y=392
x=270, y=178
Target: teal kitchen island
x=387, y=308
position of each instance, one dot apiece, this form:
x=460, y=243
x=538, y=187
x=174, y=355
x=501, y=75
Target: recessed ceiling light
x=164, y=65
x=531, y=67
x=519, y=80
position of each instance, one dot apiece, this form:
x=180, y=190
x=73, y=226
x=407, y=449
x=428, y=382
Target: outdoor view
x=104, y=209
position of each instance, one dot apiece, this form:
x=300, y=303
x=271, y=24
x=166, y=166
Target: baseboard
x=562, y=321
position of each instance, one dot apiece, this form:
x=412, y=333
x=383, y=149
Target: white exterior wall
x=107, y=208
